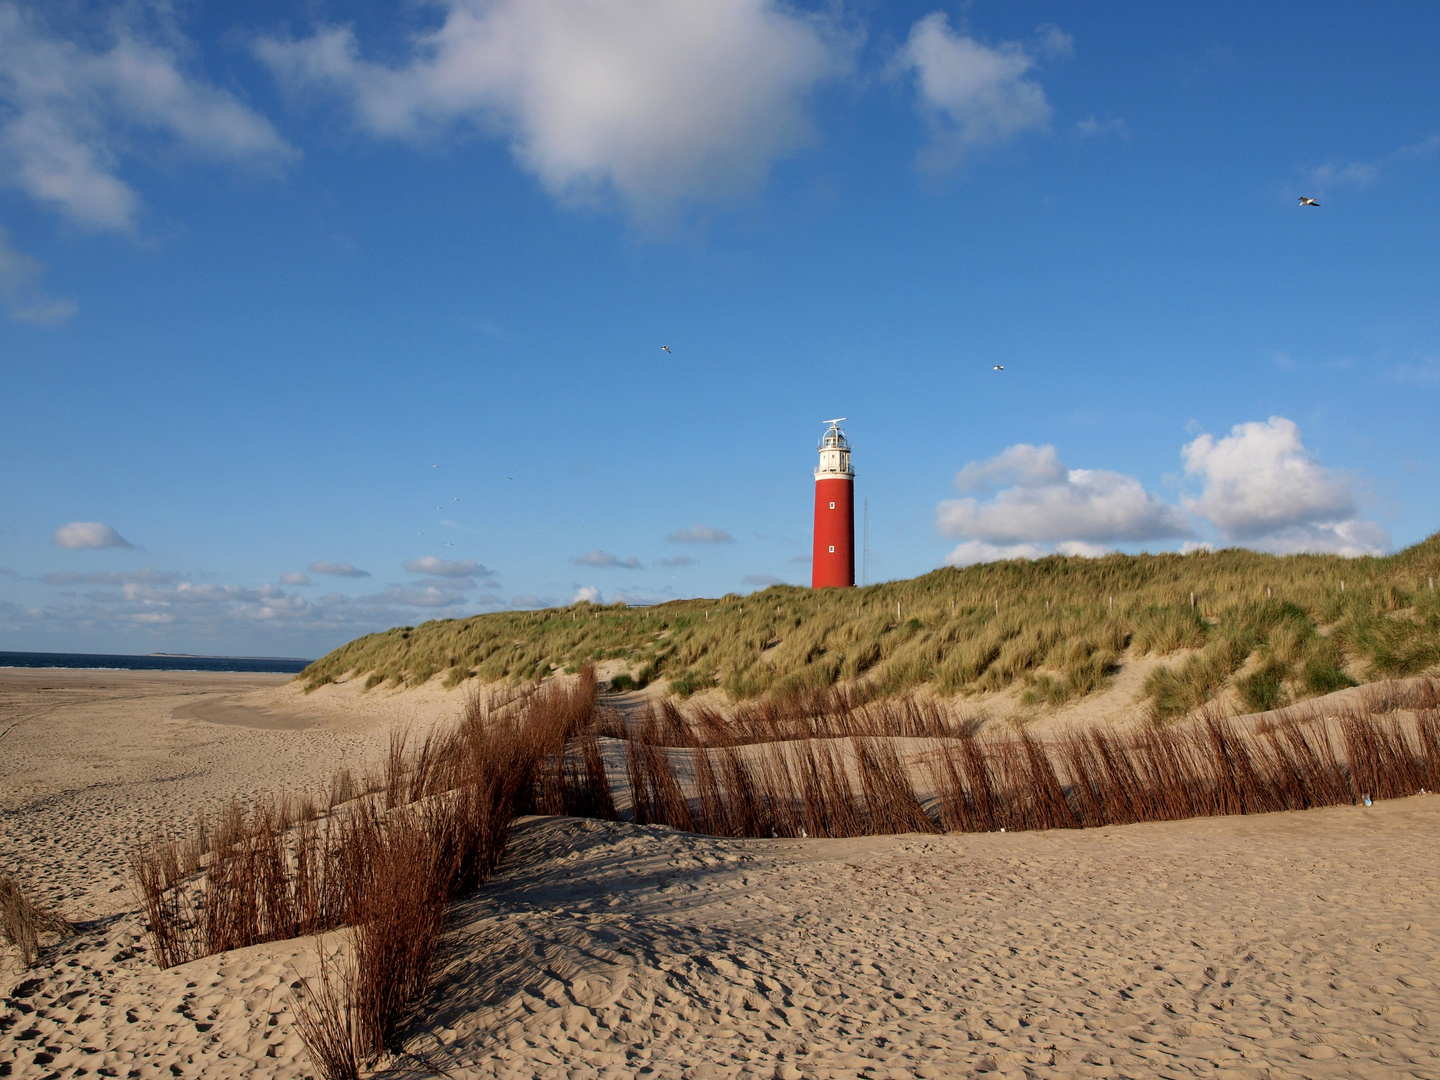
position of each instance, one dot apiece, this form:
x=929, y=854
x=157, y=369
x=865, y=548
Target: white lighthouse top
x=834, y=454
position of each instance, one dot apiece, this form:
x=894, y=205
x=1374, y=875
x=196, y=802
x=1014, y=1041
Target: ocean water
x=152, y=663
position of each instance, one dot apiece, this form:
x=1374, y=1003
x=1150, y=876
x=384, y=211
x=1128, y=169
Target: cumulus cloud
x=143, y=576
x=1022, y=464
x=337, y=569
x=72, y=106
x=596, y=557
x=586, y=594
x=761, y=581
x=88, y=534
x=678, y=560
x=1260, y=488
x=449, y=568
x=295, y=577
x=977, y=551
x=1263, y=489
x=700, y=534
x=21, y=291
x=650, y=101
x=433, y=595
x=1047, y=503
x=974, y=94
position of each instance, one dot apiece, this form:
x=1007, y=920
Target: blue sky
x=319, y=323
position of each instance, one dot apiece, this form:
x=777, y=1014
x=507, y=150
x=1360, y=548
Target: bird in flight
x=509, y=478
x=434, y=466
x=456, y=499
x=1305, y=200
x=667, y=349
x=999, y=367
x=449, y=544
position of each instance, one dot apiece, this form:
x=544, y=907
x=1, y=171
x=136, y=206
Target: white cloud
x=1359, y=173
x=679, y=560
x=453, y=584
x=71, y=108
x=449, y=568
x=974, y=95
x=596, y=557
x=586, y=594
x=433, y=595
x=337, y=569
x=977, y=551
x=143, y=576
x=295, y=577
x=1422, y=371
x=20, y=288
x=1262, y=488
x=150, y=609
x=88, y=534
x=652, y=101
x=1022, y=464
x=1050, y=504
x=1091, y=128
x=1053, y=43
x=700, y=534
x=1337, y=172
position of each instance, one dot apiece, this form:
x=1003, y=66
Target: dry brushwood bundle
x=23, y=923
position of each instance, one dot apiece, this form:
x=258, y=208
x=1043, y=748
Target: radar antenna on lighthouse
x=833, y=561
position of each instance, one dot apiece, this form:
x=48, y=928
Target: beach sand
x=1298, y=944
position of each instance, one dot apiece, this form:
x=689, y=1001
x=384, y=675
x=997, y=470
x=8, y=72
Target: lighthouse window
x=832, y=546
x=832, y=506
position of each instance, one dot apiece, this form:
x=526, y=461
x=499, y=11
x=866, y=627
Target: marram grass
x=1056, y=626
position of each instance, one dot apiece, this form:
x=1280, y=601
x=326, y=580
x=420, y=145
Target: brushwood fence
x=394, y=848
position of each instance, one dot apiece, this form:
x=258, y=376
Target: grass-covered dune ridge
x=1276, y=628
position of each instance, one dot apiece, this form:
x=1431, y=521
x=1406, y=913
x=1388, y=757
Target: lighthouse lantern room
x=833, y=561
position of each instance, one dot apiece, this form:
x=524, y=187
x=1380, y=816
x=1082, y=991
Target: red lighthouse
x=833, y=564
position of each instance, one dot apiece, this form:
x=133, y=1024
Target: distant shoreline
x=214, y=656
x=287, y=665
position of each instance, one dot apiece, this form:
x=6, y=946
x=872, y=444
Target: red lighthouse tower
x=833, y=564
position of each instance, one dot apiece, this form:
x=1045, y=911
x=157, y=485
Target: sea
x=152, y=662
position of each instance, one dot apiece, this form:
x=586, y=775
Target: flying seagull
x=1305, y=200
x=449, y=544
x=434, y=466
x=999, y=367
x=667, y=349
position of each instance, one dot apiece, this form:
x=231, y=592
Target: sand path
x=1280, y=945
x=92, y=761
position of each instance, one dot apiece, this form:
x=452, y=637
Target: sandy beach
x=1297, y=944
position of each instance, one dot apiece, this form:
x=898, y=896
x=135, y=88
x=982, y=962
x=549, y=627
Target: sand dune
x=1280, y=945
